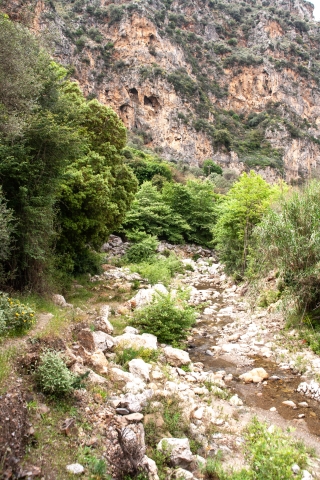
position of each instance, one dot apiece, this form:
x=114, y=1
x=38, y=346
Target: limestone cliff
x=194, y=79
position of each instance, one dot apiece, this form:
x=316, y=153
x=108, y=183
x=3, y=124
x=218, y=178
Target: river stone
x=122, y=411
x=134, y=417
x=119, y=375
x=75, y=468
x=176, y=357
x=306, y=475
x=140, y=369
x=289, y=403
x=145, y=295
x=179, y=451
x=256, y=375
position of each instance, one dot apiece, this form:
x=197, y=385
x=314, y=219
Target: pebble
x=208, y=352
x=122, y=411
x=273, y=409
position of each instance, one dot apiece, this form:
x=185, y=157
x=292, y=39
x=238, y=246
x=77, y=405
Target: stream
x=281, y=384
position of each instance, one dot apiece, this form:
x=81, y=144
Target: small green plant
x=166, y=317
x=159, y=270
x=14, y=316
x=268, y=297
x=124, y=355
x=186, y=368
x=53, y=376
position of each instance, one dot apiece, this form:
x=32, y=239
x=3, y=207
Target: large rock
x=151, y=467
x=102, y=340
x=135, y=386
x=179, y=451
x=102, y=323
x=140, y=369
x=98, y=362
x=85, y=338
x=145, y=295
x=61, y=301
x=176, y=357
x=127, y=340
x=134, y=403
x=119, y=375
x=182, y=474
x=256, y=375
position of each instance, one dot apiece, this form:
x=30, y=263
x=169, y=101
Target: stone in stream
x=176, y=357
x=256, y=375
x=289, y=403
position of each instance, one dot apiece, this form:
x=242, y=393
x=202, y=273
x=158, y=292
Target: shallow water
x=272, y=394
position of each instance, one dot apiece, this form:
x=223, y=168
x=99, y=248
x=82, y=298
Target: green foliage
x=97, y=188
x=15, y=317
x=125, y=355
x=209, y=166
x=166, y=317
x=150, y=214
x=288, y=239
x=145, y=165
x=157, y=270
x=238, y=213
x=269, y=452
x=62, y=156
x=53, y=376
x=143, y=250
x=183, y=83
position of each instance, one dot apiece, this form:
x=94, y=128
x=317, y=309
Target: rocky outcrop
x=178, y=75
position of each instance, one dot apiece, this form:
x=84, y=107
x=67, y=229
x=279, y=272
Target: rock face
x=194, y=80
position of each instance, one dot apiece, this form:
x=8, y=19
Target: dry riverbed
x=121, y=409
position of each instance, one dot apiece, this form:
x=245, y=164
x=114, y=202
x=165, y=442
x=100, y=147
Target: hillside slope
x=234, y=81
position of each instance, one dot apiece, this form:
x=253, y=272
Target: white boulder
x=178, y=449
x=102, y=340
x=256, y=375
x=176, y=357
x=75, y=468
x=146, y=340
x=140, y=369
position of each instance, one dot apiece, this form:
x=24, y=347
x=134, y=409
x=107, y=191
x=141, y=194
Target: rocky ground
x=235, y=367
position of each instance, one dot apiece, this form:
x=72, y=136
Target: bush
x=159, y=269
x=125, y=355
x=209, y=166
x=168, y=318
x=143, y=250
x=288, y=239
x=53, y=376
x=14, y=316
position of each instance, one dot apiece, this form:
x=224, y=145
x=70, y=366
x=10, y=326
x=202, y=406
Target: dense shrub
x=143, y=250
x=209, y=166
x=288, y=239
x=168, y=318
x=15, y=317
x=53, y=376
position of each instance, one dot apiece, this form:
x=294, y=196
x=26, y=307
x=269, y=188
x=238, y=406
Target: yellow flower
x=17, y=314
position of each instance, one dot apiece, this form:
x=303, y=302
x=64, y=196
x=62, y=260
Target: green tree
x=242, y=208
x=195, y=203
x=149, y=213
